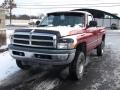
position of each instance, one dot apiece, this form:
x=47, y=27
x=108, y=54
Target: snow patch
x=7, y=66
x=64, y=30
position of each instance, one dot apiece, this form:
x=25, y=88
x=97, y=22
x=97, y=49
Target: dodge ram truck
x=61, y=38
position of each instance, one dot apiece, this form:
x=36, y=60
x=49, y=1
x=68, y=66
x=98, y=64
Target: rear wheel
x=100, y=48
x=76, y=68
x=22, y=66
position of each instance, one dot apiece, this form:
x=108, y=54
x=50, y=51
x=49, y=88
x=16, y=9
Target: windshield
x=63, y=19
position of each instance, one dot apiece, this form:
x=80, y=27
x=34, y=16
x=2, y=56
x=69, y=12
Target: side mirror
x=92, y=23
x=37, y=23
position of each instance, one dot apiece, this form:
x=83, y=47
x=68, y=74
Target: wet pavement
x=102, y=73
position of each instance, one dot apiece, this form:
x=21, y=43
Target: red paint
x=91, y=36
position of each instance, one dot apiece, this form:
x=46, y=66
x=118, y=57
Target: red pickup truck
x=62, y=38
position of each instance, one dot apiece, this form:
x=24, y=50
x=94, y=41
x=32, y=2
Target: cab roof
x=58, y=12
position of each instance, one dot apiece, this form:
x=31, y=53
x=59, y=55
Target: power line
x=67, y=4
x=66, y=7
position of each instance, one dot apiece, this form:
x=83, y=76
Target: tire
x=21, y=66
x=76, y=68
x=100, y=48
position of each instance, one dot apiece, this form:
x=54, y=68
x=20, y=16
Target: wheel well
x=81, y=47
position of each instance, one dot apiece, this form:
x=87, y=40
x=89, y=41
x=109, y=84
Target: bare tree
x=9, y=4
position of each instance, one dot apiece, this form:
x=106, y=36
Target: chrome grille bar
x=21, y=39
x=42, y=40
x=21, y=33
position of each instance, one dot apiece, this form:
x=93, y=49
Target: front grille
x=34, y=39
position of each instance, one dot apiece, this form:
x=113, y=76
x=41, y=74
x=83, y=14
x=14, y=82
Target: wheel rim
x=102, y=50
x=81, y=68
x=103, y=44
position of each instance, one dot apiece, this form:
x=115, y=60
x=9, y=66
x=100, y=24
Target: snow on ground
x=7, y=65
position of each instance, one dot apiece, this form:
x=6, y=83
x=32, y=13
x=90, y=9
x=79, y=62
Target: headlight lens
x=65, y=44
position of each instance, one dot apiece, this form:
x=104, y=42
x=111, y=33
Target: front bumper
x=42, y=56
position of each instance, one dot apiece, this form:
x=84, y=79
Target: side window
x=90, y=18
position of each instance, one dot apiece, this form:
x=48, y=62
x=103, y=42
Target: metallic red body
x=91, y=36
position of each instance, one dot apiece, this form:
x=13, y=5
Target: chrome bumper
x=45, y=56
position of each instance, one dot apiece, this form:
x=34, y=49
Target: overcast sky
x=35, y=7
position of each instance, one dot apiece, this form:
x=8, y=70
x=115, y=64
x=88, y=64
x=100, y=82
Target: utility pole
x=10, y=3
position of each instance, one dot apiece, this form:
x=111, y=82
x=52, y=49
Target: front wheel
x=22, y=66
x=76, y=68
x=100, y=48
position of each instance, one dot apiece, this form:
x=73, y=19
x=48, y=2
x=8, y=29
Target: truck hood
x=63, y=30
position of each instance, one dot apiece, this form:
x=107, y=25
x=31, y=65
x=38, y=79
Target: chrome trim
x=30, y=55
x=21, y=33
x=42, y=40
x=30, y=37
x=32, y=45
x=42, y=34
x=35, y=52
x=55, y=41
x=20, y=39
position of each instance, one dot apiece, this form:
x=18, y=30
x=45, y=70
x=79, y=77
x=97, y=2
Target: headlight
x=65, y=44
